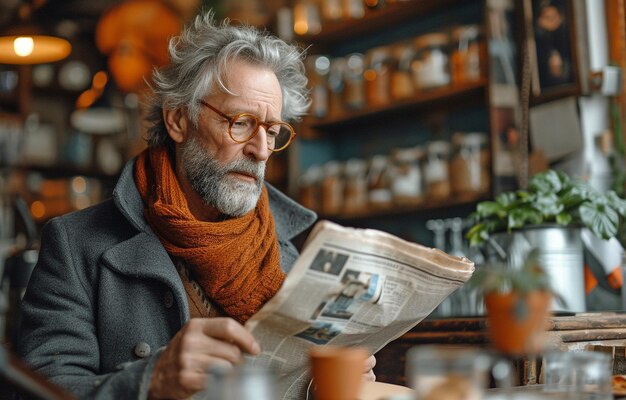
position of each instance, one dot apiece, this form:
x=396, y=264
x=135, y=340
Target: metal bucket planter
x=560, y=253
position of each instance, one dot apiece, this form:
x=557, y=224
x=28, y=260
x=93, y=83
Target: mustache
x=246, y=166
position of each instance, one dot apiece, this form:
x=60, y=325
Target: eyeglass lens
x=244, y=127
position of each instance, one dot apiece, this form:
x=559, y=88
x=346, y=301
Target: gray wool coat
x=105, y=296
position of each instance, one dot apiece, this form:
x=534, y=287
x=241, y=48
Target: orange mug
x=337, y=371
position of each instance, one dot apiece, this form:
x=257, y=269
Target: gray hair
x=200, y=56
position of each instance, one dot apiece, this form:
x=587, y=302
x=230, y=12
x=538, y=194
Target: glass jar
x=469, y=54
x=469, y=165
x=306, y=18
x=336, y=85
x=378, y=76
x=353, y=9
x=309, y=187
x=374, y=4
x=406, y=183
x=354, y=94
x=318, y=68
x=430, y=64
x=332, y=10
x=355, y=186
x=436, y=172
x=401, y=76
x=379, y=192
x=331, y=188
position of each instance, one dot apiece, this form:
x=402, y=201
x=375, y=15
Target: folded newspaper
x=350, y=287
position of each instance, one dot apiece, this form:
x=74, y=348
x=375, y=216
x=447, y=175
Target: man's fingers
x=369, y=377
x=219, y=365
x=231, y=331
x=370, y=363
x=225, y=350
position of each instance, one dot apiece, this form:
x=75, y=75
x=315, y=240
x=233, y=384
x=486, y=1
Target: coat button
x=142, y=349
x=168, y=299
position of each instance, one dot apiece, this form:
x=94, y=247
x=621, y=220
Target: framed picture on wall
x=552, y=48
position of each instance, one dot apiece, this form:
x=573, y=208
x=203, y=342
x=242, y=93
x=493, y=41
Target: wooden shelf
x=375, y=20
x=425, y=100
x=453, y=203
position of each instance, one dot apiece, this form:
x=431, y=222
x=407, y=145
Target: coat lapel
x=143, y=257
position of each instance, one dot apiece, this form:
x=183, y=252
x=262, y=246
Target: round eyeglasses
x=243, y=127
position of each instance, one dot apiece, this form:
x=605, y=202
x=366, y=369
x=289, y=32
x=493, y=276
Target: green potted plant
x=552, y=197
x=517, y=301
x=548, y=216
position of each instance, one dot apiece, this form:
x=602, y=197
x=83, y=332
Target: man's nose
x=257, y=146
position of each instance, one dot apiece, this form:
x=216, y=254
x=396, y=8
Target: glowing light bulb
x=23, y=46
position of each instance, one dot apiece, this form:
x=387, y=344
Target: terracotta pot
x=516, y=324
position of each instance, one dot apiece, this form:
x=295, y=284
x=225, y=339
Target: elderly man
x=139, y=296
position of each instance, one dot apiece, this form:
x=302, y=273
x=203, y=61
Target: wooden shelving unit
x=376, y=20
x=432, y=206
x=421, y=101
x=412, y=119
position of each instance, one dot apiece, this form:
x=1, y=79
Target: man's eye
x=242, y=123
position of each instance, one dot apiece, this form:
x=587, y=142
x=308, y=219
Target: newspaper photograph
x=350, y=287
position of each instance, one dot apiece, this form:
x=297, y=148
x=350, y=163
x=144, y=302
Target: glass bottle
x=430, y=63
x=374, y=4
x=378, y=186
x=354, y=94
x=401, y=79
x=309, y=187
x=355, y=186
x=406, y=184
x=306, y=16
x=336, y=85
x=468, y=56
x=332, y=10
x=469, y=164
x=318, y=68
x=378, y=76
x=436, y=170
x=353, y=9
x=331, y=189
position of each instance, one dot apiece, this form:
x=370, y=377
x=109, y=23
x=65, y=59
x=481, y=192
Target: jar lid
x=380, y=196
x=321, y=65
x=439, y=147
x=378, y=55
x=332, y=168
x=408, y=154
x=355, y=167
x=337, y=66
x=378, y=161
x=311, y=176
x=355, y=63
x=466, y=32
x=474, y=138
x=431, y=40
x=403, y=51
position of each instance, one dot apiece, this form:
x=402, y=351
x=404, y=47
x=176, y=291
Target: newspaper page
x=350, y=287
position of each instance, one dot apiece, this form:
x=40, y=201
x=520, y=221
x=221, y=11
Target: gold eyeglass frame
x=266, y=125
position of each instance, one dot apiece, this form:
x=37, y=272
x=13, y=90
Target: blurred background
x=421, y=108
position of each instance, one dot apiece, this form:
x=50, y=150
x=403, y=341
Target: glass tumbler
x=583, y=375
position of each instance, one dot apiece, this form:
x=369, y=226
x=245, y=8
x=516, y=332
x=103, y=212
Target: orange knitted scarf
x=236, y=261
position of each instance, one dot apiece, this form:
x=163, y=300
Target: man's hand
x=370, y=363
x=201, y=344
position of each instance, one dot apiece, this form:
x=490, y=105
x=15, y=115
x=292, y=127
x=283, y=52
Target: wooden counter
x=592, y=331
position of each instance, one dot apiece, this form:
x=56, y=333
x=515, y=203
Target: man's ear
x=176, y=123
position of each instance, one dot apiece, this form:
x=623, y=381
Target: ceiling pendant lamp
x=25, y=43
x=32, y=49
